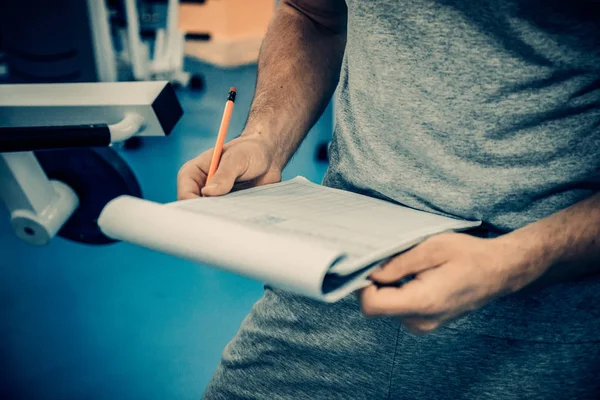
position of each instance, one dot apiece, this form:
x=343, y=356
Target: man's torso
x=484, y=110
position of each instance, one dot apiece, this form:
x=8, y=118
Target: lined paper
x=357, y=224
x=295, y=235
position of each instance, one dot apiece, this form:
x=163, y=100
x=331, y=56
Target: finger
x=190, y=180
x=192, y=175
x=230, y=169
x=415, y=298
x=421, y=326
x=188, y=189
x=427, y=324
x=429, y=254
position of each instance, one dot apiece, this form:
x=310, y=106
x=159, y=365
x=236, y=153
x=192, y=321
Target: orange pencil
x=216, y=158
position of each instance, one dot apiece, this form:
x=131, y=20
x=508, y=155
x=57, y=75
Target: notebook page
x=276, y=259
x=358, y=225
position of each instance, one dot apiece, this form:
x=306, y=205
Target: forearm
x=298, y=70
x=561, y=247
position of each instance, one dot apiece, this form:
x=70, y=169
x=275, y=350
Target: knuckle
x=428, y=326
x=432, y=306
x=185, y=169
x=181, y=176
x=366, y=309
x=394, y=265
x=422, y=327
x=368, y=306
x=396, y=269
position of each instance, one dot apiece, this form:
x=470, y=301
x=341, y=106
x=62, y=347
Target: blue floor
x=121, y=322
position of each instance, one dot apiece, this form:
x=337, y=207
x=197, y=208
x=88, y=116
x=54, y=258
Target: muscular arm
x=563, y=246
x=298, y=71
x=457, y=273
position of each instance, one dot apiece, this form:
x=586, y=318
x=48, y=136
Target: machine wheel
x=196, y=83
x=97, y=175
x=322, y=152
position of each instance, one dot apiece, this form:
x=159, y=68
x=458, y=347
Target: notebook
x=295, y=235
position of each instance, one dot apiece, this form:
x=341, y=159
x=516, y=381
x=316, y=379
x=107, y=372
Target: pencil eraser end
x=232, y=94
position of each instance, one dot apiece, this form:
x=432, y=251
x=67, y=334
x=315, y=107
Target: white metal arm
x=38, y=207
x=42, y=117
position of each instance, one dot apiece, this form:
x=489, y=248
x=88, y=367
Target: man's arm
x=457, y=273
x=298, y=70
x=563, y=246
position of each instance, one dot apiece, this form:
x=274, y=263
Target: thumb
x=429, y=254
x=230, y=168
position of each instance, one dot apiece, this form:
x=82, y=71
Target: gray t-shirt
x=485, y=110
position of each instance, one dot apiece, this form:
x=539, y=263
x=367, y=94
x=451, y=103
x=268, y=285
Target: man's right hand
x=298, y=71
x=246, y=161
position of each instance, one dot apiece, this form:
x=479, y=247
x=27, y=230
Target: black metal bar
x=53, y=137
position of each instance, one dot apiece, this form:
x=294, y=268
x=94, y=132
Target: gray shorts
x=290, y=347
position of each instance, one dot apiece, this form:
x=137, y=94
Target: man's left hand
x=454, y=274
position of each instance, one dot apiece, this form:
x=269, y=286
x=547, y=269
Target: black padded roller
x=53, y=137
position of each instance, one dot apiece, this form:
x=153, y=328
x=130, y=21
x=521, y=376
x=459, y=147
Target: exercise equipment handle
x=15, y=139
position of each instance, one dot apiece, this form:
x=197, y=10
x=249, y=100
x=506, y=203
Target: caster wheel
x=196, y=83
x=322, y=154
x=97, y=175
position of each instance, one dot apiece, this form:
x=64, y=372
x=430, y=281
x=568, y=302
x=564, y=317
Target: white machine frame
x=106, y=63
x=39, y=207
x=166, y=61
